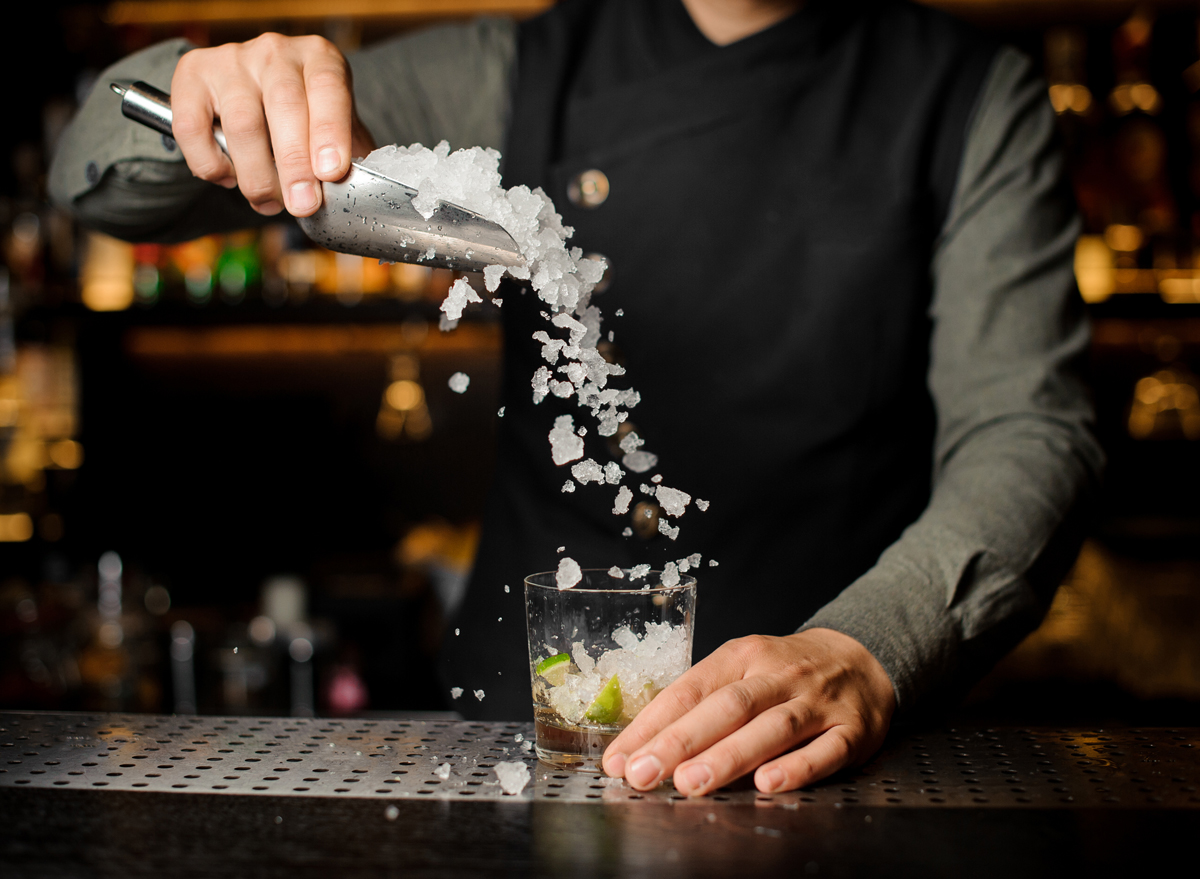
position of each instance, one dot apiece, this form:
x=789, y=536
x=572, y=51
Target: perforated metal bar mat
x=387, y=759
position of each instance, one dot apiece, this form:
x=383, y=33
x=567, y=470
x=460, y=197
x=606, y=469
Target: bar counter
x=145, y=795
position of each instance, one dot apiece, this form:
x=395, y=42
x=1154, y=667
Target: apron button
x=588, y=189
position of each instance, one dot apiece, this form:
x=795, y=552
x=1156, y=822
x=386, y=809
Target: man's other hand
x=792, y=709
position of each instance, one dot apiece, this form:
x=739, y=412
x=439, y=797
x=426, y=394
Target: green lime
x=554, y=668
x=608, y=704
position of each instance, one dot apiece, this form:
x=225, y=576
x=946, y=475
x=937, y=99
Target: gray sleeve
x=1015, y=455
x=121, y=178
x=446, y=83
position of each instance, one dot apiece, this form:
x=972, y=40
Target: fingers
x=331, y=113
x=721, y=718
x=683, y=695
x=778, y=729
x=287, y=112
x=193, y=110
x=823, y=756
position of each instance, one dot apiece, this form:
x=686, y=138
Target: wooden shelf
x=176, y=12
x=179, y=12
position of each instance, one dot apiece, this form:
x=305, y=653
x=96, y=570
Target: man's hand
x=750, y=705
x=286, y=106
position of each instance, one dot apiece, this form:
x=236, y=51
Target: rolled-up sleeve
x=1016, y=458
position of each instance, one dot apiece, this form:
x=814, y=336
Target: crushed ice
x=513, y=776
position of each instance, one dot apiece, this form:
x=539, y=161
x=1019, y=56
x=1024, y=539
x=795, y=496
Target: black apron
x=772, y=213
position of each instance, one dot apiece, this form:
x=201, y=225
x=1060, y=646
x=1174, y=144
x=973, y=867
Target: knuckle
x=270, y=43
x=291, y=153
x=258, y=191
x=209, y=170
x=675, y=742
x=689, y=694
x=735, y=702
x=790, y=723
x=750, y=647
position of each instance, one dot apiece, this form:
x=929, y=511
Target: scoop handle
x=144, y=103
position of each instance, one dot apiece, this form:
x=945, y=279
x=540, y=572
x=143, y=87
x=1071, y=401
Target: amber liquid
x=568, y=746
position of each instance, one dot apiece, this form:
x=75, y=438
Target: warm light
x=1163, y=400
x=1137, y=95
x=1145, y=97
x=106, y=279
x=1094, y=268
x=15, y=527
x=1070, y=97
x=1179, y=290
x=1125, y=239
x=66, y=454
x=404, y=395
x=410, y=281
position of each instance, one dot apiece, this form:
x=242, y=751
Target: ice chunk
x=701, y=505
x=459, y=382
x=500, y=412
x=460, y=293
x=587, y=471
x=625, y=639
x=455, y=692
x=518, y=738
x=564, y=444
x=583, y=660
x=656, y=478
x=479, y=695
x=491, y=277
x=613, y=473
x=513, y=776
x=568, y=486
x=627, y=531
x=712, y=563
x=568, y=573
x=442, y=771
x=639, y=461
x=664, y=527
x=616, y=573
x=621, y=504
x=631, y=442
x=527, y=745
x=672, y=500
x=639, y=571
x=694, y=560
x=391, y=813
x=670, y=574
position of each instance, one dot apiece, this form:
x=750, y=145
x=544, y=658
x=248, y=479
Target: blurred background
x=233, y=478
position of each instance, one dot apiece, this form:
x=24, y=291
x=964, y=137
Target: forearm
x=978, y=569
x=1015, y=458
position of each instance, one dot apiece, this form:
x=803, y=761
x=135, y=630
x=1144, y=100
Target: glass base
x=578, y=749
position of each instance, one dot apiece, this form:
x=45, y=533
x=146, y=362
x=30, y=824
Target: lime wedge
x=608, y=704
x=554, y=668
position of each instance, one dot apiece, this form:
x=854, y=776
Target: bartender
x=841, y=241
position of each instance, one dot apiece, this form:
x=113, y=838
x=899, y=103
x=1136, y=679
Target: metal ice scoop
x=367, y=213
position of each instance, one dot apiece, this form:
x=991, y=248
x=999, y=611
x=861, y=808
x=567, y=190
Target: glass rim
x=686, y=581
